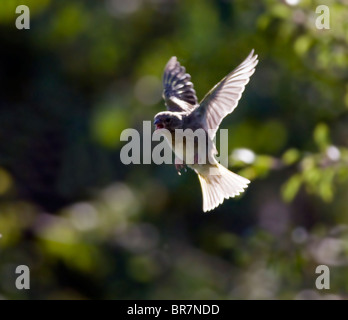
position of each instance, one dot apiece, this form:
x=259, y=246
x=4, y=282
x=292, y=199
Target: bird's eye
x=167, y=120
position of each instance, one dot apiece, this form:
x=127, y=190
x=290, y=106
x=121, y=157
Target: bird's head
x=168, y=120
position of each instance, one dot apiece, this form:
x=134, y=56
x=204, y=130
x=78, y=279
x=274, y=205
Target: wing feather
x=223, y=98
x=178, y=94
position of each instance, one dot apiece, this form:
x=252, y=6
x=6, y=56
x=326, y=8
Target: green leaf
x=291, y=156
x=302, y=44
x=291, y=187
x=321, y=136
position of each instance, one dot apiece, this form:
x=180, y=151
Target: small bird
x=184, y=112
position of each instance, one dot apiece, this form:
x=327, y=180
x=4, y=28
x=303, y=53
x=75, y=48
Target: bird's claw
x=179, y=167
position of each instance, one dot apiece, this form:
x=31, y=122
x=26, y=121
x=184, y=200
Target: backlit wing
x=223, y=98
x=178, y=92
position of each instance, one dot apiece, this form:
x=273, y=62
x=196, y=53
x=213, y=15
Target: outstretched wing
x=178, y=92
x=224, y=97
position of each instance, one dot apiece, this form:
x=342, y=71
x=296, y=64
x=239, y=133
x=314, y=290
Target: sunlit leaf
x=291, y=187
x=321, y=135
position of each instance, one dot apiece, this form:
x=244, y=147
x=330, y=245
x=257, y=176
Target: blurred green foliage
x=90, y=227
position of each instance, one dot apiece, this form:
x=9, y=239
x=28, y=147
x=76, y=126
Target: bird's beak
x=158, y=124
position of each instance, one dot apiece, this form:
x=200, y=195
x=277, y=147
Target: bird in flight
x=184, y=112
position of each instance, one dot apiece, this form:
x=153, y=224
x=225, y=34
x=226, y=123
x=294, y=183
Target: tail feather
x=216, y=188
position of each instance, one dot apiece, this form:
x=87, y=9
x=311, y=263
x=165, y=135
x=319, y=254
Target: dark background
x=90, y=227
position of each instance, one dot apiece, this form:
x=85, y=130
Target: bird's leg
x=179, y=165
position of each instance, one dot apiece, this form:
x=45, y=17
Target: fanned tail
x=222, y=185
